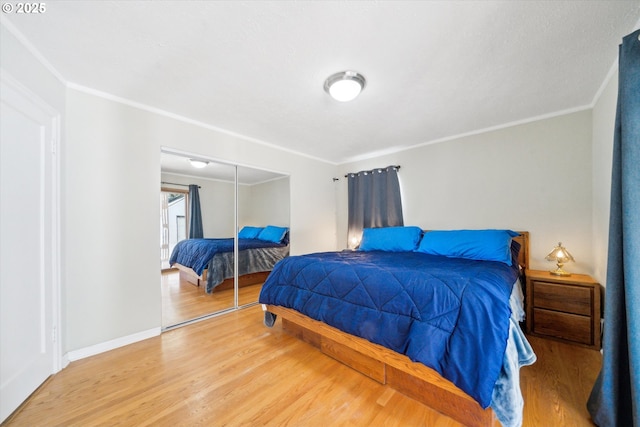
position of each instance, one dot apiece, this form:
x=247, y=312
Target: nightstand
x=565, y=308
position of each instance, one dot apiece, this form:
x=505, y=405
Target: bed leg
x=269, y=319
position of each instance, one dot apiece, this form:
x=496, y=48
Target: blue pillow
x=484, y=245
x=274, y=234
x=249, y=232
x=390, y=239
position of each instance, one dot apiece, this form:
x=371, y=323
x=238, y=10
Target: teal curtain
x=615, y=398
x=195, y=214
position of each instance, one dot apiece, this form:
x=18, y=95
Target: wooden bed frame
x=393, y=369
x=190, y=276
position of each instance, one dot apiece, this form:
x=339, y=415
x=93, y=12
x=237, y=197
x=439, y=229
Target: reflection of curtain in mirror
x=374, y=201
x=195, y=214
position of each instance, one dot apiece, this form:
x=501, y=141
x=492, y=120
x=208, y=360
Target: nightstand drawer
x=566, y=326
x=566, y=298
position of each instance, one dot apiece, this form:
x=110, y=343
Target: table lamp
x=560, y=255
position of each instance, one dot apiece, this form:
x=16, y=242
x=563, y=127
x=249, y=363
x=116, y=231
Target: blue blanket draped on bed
x=450, y=314
x=196, y=253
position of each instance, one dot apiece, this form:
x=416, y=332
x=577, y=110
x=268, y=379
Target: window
x=173, y=224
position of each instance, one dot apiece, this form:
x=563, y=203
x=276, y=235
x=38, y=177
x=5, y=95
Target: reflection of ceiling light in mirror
x=198, y=163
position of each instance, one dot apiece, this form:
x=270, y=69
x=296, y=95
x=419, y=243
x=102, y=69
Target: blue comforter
x=196, y=253
x=450, y=314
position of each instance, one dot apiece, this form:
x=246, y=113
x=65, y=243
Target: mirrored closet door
x=200, y=275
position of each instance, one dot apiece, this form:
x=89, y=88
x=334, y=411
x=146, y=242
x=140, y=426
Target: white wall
x=264, y=204
x=111, y=197
x=534, y=177
x=112, y=223
x=604, y=117
x=22, y=65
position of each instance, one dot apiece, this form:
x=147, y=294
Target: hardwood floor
x=231, y=370
x=557, y=386
x=183, y=301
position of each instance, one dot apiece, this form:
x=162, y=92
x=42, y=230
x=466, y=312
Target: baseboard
x=64, y=362
x=110, y=345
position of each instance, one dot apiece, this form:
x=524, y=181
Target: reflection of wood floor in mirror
x=182, y=301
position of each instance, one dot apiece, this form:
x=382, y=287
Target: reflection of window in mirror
x=181, y=227
x=173, y=211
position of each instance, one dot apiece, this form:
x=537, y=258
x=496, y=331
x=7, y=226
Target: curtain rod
x=174, y=183
x=396, y=167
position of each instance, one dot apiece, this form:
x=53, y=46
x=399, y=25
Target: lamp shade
x=345, y=85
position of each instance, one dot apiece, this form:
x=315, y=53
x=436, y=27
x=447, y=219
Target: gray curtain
x=614, y=400
x=374, y=200
x=195, y=215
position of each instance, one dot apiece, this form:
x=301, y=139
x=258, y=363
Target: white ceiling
x=434, y=69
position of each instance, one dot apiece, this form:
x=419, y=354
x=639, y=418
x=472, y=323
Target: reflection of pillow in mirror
x=249, y=232
x=274, y=234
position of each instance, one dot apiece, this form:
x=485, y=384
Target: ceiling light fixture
x=198, y=163
x=345, y=85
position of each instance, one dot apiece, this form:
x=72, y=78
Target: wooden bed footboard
x=190, y=276
x=387, y=367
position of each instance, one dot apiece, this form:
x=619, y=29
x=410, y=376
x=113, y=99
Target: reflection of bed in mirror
x=210, y=262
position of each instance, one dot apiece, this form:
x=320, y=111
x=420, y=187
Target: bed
x=210, y=262
x=441, y=329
